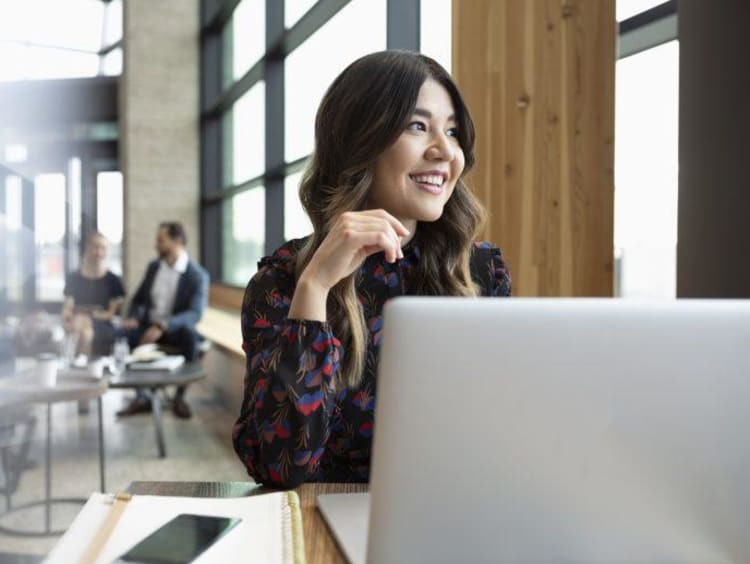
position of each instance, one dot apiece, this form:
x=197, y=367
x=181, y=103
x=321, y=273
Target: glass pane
x=646, y=122
x=244, y=39
x=311, y=68
x=109, y=212
x=56, y=63
x=22, y=63
x=435, y=30
x=49, y=230
x=243, y=239
x=16, y=153
x=74, y=213
x=296, y=222
x=112, y=63
x=13, y=57
x=73, y=24
x=628, y=8
x=13, y=203
x=112, y=22
x=244, y=137
x=295, y=9
x=14, y=240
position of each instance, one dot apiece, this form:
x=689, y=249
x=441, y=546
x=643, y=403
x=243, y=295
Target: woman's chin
x=430, y=216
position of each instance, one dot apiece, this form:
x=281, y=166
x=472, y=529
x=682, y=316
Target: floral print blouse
x=294, y=426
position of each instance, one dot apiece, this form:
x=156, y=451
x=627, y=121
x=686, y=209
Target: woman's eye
x=452, y=132
x=417, y=126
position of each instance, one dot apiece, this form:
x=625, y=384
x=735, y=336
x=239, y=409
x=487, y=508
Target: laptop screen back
x=546, y=430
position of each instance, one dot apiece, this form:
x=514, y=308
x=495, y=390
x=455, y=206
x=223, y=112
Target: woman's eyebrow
x=428, y=114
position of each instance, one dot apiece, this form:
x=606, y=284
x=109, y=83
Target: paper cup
x=47, y=366
x=96, y=367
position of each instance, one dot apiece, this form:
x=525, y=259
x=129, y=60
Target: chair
x=16, y=431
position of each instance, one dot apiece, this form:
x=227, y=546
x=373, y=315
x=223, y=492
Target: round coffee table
x=20, y=390
x=153, y=381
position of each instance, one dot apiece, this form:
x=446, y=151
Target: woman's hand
x=130, y=323
x=354, y=237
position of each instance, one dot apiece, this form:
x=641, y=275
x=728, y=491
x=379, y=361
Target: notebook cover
x=271, y=530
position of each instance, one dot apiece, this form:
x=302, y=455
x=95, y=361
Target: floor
x=198, y=449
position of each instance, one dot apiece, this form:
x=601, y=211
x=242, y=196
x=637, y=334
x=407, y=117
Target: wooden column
x=539, y=79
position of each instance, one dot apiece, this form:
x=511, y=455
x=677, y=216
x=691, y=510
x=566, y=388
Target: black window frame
x=402, y=32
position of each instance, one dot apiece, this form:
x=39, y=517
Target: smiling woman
x=391, y=216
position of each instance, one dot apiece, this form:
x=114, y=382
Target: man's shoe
x=136, y=406
x=181, y=409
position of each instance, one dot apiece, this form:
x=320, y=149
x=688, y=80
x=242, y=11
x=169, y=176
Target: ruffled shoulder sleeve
x=489, y=270
x=273, y=284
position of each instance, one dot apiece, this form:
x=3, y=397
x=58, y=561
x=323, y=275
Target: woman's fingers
x=353, y=237
x=373, y=241
x=378, y=224
x=395, y=223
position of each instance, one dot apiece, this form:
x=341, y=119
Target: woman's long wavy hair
x=363, y=112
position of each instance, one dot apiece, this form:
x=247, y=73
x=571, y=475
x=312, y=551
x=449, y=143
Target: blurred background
x=214, y=105
x=612, y=139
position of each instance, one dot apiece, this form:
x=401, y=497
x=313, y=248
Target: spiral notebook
x=270, y=530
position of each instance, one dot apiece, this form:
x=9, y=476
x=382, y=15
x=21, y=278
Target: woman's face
x=96, y=250
x=416, y=175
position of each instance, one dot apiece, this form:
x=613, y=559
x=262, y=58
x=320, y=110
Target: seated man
x=167, y=307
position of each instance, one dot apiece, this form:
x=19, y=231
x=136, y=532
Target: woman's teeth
x=435, y=180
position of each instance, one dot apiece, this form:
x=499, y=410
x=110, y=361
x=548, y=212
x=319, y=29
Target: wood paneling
x=538, y=76
x=227, y=297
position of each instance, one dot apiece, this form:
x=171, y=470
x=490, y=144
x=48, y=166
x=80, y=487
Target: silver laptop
x=557, y=430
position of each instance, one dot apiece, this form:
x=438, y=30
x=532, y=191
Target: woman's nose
x=441, y=148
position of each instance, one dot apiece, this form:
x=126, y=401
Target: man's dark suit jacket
x=189, y=303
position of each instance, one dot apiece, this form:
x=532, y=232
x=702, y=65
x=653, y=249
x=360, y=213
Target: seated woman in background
x=391, y=216
x=93, y=295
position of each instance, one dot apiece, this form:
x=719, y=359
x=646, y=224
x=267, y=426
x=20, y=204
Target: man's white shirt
x=164, y=289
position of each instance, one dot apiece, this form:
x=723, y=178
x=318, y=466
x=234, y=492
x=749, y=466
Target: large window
x=53, y=149
x=43, y=220
x=244, y=137
x=646, y=119
x=244, y=39
x=266, y=65
x=76, y=38
x=49, y=222
x=109, y=215
x=16, y=238
x=243, y=234
x=435, y=31
x=306, y=79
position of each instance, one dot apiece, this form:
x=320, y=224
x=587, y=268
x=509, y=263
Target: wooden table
x=154, y=380
x=320, y=547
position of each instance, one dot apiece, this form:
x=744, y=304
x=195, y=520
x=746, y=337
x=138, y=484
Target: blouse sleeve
x=289, y=393
x=493, y=270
